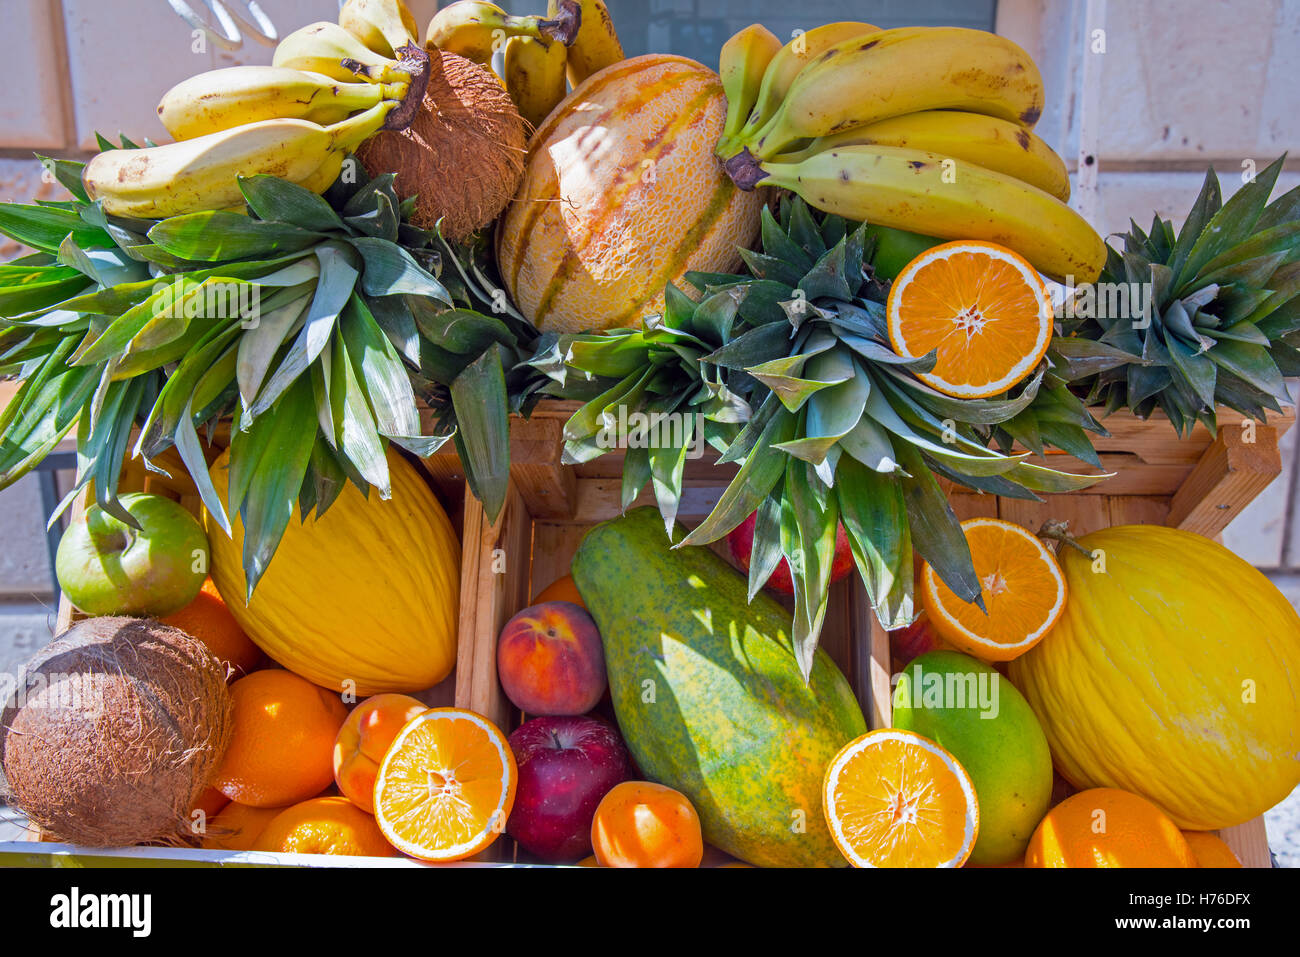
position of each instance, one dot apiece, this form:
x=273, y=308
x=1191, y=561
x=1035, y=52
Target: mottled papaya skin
x=708, y=694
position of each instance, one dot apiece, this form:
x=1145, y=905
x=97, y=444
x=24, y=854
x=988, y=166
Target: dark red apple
x=741, y=542
x=566, y=765
x=914, y=640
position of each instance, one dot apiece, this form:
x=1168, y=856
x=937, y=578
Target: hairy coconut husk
x=113, y=730
x=463, y=154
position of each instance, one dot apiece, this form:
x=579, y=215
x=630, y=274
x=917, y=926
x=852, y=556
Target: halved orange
x=984, y=308
x=896, y=799
x=1023, y=590
x=446, y=785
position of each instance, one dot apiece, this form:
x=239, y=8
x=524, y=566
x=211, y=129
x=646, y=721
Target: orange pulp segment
x=983, y=308
x=446, y=786
x=896, y=799
x=1023, y=589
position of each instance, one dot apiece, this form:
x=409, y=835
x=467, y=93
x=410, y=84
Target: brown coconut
x=463, y=154
x=113, y=730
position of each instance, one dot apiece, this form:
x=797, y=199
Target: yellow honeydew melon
x=1173, y=673
x=363, y=599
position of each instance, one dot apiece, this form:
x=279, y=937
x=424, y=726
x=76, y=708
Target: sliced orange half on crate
x=446, y=786
x=896, y=799
x=983, y=309
x=1023, y=589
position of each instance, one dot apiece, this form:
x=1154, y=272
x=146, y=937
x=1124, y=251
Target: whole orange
x=238, y=826
x=1106, y=827
x=562, y=589
x=363, y=741
x=210, y=802
x=209, y=620
x=324, y=825
x=282, y=747
x=1210, y=850
x=640, y=824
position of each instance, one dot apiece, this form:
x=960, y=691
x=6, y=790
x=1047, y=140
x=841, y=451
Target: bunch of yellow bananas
x=543, y=55
x=925, y=129
x=330, y=86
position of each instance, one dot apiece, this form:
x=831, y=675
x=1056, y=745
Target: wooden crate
x=1198, y=484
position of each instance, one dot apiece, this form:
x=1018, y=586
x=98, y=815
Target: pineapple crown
x=828, y=423
x=1219, y=316
x=327, y=309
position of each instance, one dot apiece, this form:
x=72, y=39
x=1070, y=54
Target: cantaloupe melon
x=623, y=194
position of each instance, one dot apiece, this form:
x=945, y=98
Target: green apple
x=106, y=567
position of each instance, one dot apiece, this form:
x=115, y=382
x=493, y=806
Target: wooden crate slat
x=1231, y=473
x=1249, y=842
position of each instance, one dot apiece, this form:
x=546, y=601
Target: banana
x=904, y=71
x=201, y=173
x=905, y=189
x=326, y=173
x=785, y=66
x=222, y=99
x=742, y=64
x=987, y=141
x=476, y=30
x=384, y=26
x=597, y=45
x=327, y=48
x=535, y=76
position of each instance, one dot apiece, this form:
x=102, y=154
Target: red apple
x=106, y=567
x=550, y=660
x=741, y=542
x=914, y=640
x=566, y=765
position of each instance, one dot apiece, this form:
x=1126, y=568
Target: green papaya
x=708, y=694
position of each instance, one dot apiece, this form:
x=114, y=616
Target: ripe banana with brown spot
x=535, y=76
x=327, y=48
x=384, y=26
x=987, y=141
x=904, y=71
x=785, y=65
x=596, y=45
x=223, y=99
x=908, y=189
x=201, y=173
x=742, y=65
x=476, y=30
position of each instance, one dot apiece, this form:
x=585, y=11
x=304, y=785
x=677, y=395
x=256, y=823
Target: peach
x=550, y=660
x=363, y=741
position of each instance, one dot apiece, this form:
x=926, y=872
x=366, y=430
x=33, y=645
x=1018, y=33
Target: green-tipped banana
x=909, y=189
x=223, y=99
x=785, y=65
x=329, y=49
x=384, y=26
x=201, y=173
x=987, y=141
x=742, y=64
x=476, y=30
x=904, y=71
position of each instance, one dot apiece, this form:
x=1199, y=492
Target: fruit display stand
x=1199, y=483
